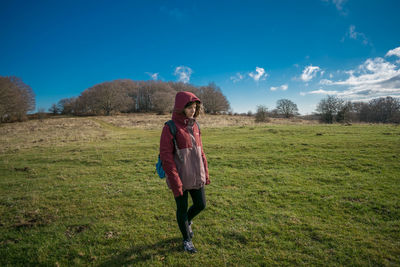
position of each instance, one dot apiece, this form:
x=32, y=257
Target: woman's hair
x=199, y=108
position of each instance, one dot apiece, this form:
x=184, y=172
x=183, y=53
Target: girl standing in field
x=185, y=165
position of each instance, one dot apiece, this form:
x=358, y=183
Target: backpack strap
x=173, y=130
x=198, y=126
x=172, y=127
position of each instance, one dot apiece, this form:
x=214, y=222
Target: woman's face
x=190, y=110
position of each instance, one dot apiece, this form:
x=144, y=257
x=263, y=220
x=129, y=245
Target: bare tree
x=163, y=101
x=181, y=86
x=213, y=100
x=144, y=97
x=132, y=89
x=54, y=109
x=66, y=106
x=358, y=109
x=329, y=107
x=103, y=98
x=287, y=108
x=85, y=104
x=139, y=96
x=262, y=114
x=16, y=99
x=41, y=114
x=384, y=109
x=111, y=97
x=344, y=115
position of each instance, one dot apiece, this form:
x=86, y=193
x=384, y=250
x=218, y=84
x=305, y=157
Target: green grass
x=279, y=195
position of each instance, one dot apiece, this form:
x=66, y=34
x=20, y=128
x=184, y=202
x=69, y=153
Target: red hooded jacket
x=185, y=167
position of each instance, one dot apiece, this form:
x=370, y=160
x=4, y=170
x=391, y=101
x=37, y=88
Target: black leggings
x=183, y=215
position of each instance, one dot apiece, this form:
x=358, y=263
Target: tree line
x=128, y=96
x=285, y=108
x=333, y=109
x=379, y=110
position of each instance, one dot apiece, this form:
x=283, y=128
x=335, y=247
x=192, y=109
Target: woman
x=185, y=165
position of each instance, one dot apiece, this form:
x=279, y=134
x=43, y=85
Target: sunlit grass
x=280, y=194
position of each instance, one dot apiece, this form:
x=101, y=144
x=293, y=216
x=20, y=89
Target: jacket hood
x=181, y=100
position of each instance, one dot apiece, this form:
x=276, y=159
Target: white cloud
x=394, y=52
x=372, y=79
x=309, y=73
x=339, y=5
x=325, y=81
x=319, y=92
x=154, y=76
x=237, y=78
x=183, y=73
x=283, y=87
x=175, y=13
x=353, y=34
x=259, y=74
x=372, y=71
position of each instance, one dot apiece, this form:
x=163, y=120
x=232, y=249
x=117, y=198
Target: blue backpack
x=159, y=169
x=172, y=128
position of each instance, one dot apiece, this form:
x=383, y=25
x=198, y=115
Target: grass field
x=82, y=191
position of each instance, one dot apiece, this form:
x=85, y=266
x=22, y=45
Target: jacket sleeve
x=203, y=156
x=205, y=166
x=168, y=163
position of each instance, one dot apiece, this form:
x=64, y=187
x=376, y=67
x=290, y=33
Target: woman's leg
x=199, y=203
x=182, y=214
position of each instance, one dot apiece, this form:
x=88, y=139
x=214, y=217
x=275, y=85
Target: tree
x=262, y=114
x=345, y=113
x=360, y=111
x=144, y=96
x=181, y=86
x=213, y=100
x=328, y=108
x=139, y=96
x=103, y=98
x=41, y=114
x=54, y=109
x=16, y=99
x=287, y=108
x=66, y=106
x=163, y=98
x=384, y=109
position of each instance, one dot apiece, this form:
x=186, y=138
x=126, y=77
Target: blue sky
x=257, y=51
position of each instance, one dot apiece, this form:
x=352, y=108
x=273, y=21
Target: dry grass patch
x=58, y=131
x=153, y=121
x=54, y=131
x=140, y=120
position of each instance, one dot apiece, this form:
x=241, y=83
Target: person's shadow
x=142, y=253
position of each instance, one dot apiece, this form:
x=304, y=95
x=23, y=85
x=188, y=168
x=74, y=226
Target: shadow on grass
x=143, y=253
